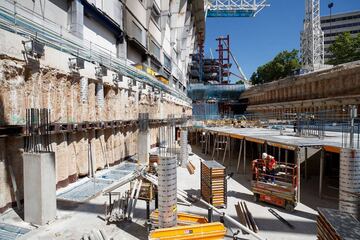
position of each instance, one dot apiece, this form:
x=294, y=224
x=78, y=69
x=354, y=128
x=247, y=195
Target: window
x=154, y=49
x=167, y=62
x=136, y=32
x=155, y=14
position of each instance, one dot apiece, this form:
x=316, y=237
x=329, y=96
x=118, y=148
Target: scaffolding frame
x=235, y=8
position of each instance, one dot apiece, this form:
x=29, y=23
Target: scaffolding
x=235, y=8
x=312, y=38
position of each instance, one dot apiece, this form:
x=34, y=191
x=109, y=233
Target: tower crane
x=312, y=38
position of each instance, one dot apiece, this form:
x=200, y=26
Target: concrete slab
x=75, y=219
x=288, y=138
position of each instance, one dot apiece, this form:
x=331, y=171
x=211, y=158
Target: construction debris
x=245, y=216
x=116, y=211
x=96, y=235
x=190, y=167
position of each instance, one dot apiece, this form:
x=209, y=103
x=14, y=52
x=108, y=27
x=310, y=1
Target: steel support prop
x=321, y=175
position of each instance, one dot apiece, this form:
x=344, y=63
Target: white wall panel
x=99, y=35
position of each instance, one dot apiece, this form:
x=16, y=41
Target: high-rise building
x=339, y=23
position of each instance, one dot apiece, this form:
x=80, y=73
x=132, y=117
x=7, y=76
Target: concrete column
x=144, y=138
x=184, y=147
x=167, y=191
x=39, y=187
x=76, y=18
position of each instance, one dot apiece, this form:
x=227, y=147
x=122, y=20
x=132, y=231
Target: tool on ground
x=272, y=211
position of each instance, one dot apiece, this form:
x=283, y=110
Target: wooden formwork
x=213, y=183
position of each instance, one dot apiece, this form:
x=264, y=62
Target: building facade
x=337, y=24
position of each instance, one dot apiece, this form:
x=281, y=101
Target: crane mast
x=312, y=38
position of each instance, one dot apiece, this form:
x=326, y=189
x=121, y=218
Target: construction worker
x=269, y=166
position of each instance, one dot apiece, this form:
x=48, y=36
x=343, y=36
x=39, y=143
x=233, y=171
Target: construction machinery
x=279, y=187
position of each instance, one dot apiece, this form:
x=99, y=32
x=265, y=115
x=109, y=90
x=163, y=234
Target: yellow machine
x=209, y=231
x=162, y=78
x=150, y=71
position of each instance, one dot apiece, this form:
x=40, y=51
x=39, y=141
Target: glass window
x=167, y=62
x=155, y=14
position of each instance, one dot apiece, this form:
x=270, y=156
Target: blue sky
x=255, y=41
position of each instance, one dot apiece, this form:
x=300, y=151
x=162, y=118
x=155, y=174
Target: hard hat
x=264, y=155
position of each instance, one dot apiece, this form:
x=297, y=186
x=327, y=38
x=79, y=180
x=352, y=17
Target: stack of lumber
x=245, y=216
x=333, y=224
x=213, y=183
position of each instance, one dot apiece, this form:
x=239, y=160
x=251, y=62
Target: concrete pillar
x=184, y=155
x=84, y=89
x=39, y=187
x=76, y=18
x=143, y=138
x=167, y=191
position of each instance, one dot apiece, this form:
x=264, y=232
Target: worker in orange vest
x=270, y=164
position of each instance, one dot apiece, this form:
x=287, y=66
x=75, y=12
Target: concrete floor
x=75, y=219
x=288, y=137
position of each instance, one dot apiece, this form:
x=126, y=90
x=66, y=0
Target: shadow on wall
x=2, y=111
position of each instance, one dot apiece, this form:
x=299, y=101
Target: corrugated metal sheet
x=92, y=187
x=10, y=232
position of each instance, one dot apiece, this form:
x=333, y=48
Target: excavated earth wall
x=73, y=100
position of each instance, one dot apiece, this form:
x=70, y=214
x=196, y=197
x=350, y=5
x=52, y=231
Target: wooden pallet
x=213, y=183
x=333, y=224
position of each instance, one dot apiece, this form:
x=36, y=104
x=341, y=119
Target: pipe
x=131, y=214
x=230, y=219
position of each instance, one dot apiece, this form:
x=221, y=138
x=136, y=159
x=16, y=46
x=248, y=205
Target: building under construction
x=113, y=125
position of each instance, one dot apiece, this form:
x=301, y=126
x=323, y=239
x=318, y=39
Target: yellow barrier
x=209, y=231
x=182, y=218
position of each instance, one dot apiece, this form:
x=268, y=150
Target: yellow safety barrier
x=209, y=231
x=182, y=218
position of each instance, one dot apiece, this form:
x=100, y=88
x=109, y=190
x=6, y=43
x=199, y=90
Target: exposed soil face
x=71, y=100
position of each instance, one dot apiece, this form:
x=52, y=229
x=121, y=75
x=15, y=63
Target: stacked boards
x=213, y=183
x=334, y=224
